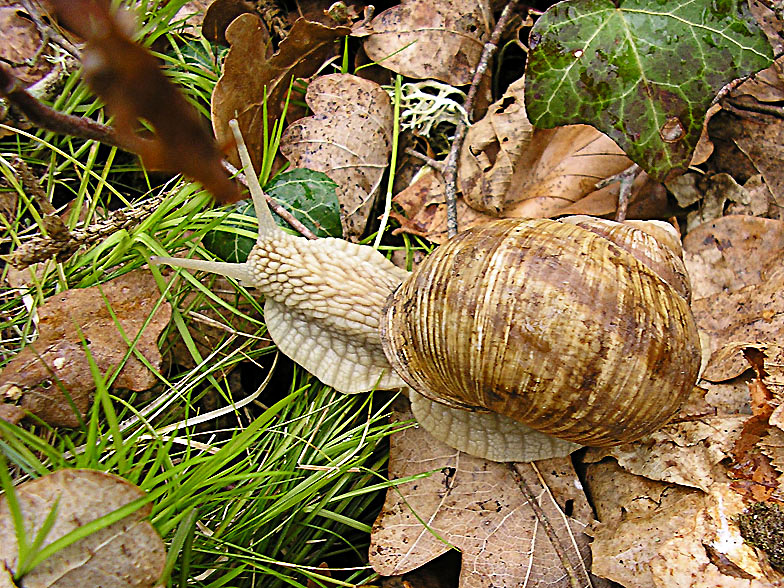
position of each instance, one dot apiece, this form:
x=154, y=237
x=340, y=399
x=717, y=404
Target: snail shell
x=579, y=329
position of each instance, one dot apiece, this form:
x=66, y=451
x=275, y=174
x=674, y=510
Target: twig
x=549, y=530
x=48, y=31
x=450, y=168
x=626, y=179
x=276, y=208
x=48, y=118
x=63, y=246
x=435, y=164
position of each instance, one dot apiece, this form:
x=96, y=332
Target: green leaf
x=644, y=72
x=309, y=195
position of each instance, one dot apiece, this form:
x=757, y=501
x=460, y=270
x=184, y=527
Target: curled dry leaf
x=349, y=138
x=491, y=150
x=53, y=372
x=688, y=453
x=430, y=38
x=127, y=553
x=656, y=534
x=248, y=73
x=476, y=505
x=424, y=207
x=560, y=167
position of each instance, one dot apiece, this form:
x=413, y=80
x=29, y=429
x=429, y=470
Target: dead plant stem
x=450, y=168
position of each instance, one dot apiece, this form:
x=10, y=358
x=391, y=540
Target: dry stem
x=450, y=168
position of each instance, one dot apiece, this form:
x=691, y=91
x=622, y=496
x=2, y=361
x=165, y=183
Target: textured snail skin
x=550, y=324
x=550, y=306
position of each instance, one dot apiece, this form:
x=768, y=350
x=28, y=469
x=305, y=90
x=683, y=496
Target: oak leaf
x=477, y=506
x=429, y=38
x=249, y=75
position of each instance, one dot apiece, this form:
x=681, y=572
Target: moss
x=762, y=525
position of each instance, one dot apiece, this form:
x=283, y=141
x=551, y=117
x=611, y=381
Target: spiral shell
x=558, y=325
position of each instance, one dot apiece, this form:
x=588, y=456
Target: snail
x=519, y=340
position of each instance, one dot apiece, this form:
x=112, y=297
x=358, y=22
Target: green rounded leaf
x=644, y=72
x=309, y=195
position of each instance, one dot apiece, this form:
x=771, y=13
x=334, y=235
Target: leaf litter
x=666, y=505
x=51, y=376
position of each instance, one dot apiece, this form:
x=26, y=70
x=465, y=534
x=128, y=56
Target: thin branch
x=48, y=118
x=435, y=164
x=626, y=179
x=450, y=169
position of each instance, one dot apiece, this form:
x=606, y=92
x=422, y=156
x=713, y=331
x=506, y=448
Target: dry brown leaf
x=708, y=551
x=559, y=167
x=349, y=138
x=767, y=85
x=678, y=537
x=688, y=453
x=56, y=360
x=424, y=207
x=240, y=91
x=129, y=79
x=220, y=14
x=762, y=141
x=751, y=316
x=636, y=515
x=128, y=553
x=475, y=505
x=731, y=252
x=491, y=150
x=430, y=38
x=21, y=46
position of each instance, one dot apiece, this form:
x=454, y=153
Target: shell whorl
x=547, y=323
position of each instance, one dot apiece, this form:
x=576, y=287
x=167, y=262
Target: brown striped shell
x=555, y=324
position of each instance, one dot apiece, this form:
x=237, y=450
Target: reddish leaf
x=128, y=78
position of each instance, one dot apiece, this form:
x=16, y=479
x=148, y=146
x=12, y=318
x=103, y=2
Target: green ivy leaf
x=644, y=72
x=309, y=195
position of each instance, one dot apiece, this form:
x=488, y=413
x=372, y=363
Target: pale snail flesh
x=482, y=306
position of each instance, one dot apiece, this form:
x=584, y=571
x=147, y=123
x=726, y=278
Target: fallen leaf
x=349, y=138
x=430, y=38
x=53, y=372
x=220, y=14
x=708, y=550
x=762, y=141
x=687, y=453
x=127, y=553
x=128, y=78
x=477, y=506
x=560, y=167
x=491, y=151
x=424, y=206
x=765, y=86
x=635, y=516
x=21, y=47
x=249, y=75
x=731, y=252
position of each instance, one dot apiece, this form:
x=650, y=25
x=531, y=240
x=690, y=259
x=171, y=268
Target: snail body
x=520, y=340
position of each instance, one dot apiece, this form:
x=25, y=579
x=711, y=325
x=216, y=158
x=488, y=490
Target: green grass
x=251, y=487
